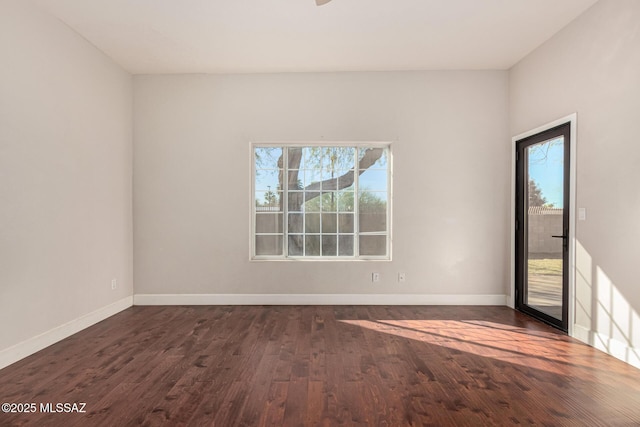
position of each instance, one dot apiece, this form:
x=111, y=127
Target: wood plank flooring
x=323, y=366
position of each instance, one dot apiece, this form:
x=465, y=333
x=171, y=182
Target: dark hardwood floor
x=323, y=365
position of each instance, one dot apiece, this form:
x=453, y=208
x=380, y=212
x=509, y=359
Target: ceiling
x=250, y=36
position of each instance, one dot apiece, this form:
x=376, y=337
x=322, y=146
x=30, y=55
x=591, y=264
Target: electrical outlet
x=402, y=277
x=114, y=284
x=375, y=277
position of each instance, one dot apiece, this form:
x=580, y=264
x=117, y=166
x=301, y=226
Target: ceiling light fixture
x=321, y=2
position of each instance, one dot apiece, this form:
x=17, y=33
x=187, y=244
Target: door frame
x=571, y=240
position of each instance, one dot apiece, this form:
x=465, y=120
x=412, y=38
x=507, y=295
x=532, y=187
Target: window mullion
x=285, y=202
x=321, y=172
x=356, y=207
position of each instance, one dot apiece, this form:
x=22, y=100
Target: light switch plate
x=582, y=214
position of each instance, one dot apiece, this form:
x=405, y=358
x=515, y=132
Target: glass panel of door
x=545, y=226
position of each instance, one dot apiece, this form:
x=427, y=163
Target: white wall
x=65, y=178
x=592, y=67
x=192, y=178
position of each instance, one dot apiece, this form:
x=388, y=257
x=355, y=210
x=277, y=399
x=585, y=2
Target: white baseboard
x=316, y=299
x=618, y=349
x=581, y=333
x=32, y=345
x=509, y=301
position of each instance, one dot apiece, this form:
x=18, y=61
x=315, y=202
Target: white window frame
x=357, y=233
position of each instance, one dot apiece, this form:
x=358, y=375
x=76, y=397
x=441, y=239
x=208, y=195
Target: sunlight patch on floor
x=542, y=350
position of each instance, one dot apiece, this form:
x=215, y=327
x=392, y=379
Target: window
x=321, y=201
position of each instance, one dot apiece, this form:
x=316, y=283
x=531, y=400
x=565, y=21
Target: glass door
x=542, y=225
